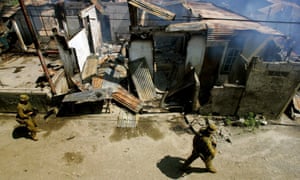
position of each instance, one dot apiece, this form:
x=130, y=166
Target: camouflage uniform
x=25, y=115
x=204, y=147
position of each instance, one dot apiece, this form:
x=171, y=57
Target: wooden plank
x=90, y=67
x=153, y=9
x=190, y=26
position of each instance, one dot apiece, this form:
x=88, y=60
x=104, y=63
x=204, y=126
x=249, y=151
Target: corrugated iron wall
x=142, y=79
x=219, y=34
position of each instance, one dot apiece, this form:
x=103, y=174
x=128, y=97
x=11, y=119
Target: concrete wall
x=226, y=98
x=269, y=88
x=9, y=99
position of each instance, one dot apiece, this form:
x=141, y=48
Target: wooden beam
x=189, y=26
x=132, y=15
x=152, y=9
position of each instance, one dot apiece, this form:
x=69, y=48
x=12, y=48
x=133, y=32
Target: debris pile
x=105, y=78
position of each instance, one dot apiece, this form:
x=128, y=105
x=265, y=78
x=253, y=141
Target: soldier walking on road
x=204, y=147
x=26, y=114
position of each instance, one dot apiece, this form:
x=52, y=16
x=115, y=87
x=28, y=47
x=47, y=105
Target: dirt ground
x=91, y=147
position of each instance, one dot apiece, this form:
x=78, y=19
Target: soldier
x=204, y=147
x=26, y=114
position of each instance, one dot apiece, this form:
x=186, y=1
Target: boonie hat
x=24, y=97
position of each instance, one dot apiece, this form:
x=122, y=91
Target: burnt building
x=239, y=65
x=191, y=57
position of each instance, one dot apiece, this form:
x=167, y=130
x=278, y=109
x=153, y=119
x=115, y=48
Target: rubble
x=160, y=68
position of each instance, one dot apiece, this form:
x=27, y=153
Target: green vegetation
x=228, y=121
x=250, y=121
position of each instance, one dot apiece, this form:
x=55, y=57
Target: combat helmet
x=24, y=97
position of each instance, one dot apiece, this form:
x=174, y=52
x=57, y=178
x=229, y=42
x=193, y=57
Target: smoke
x=283, y=15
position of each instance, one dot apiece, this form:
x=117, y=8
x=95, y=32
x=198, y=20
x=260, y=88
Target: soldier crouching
x=25, y=116
x=204, y=147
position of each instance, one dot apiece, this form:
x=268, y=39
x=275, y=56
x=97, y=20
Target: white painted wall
x=95, y=26
x=140, y=49
x=80, y=43
x=195, y=52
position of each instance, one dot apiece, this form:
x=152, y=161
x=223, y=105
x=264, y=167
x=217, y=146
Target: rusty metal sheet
x=128, y=100
x=218, y=18
x=142, y=79
x=97, y=82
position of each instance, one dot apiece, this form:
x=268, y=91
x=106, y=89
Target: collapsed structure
x=191, y=57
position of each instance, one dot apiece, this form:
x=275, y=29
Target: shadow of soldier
x=171, y=167
x=21, y=132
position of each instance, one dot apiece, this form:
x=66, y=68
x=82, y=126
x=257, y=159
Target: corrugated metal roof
x=219, y=19
x=241, y=25
x=209, y=10
x=219, y=33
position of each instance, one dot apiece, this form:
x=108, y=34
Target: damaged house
x=219, y=62
x=191, y=57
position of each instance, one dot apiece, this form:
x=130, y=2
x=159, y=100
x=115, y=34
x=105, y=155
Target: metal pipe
x=16, y=28
x=37, y=46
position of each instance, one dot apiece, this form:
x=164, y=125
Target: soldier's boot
x=210, y=167
x=32, y=126
x=189, y=161
x=33, y=136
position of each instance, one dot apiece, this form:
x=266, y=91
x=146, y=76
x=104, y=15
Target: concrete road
x=91, y=147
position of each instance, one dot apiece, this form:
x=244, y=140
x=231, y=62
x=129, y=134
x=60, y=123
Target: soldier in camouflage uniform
x=204, y=147
x=25, y=115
